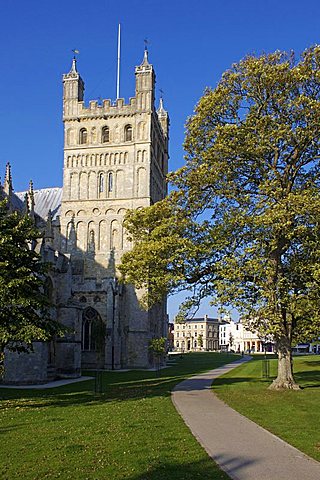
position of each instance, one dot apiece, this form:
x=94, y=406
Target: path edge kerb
x=227, y=367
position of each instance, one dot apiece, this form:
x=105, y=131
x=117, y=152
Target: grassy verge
x=131, y=431
x=292, y=415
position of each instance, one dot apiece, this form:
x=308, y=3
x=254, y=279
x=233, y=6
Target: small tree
x=158, y=348
x=200, y=341
x=231, y=340
x=24, y=312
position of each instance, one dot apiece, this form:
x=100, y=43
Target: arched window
x=110, y=182
x=83, y=136
x=105, y=135
x=128, y=133
x=91, y=239
x=92, y=330
x=101, y=183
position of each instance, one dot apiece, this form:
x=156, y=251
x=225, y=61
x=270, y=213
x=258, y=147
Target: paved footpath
x=243, y=450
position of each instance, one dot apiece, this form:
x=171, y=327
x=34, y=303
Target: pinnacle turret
x=48, y=233
x=31, y=199
x=145, y=60
x=163, y=117
x=74, y=66
x=161, y=111
x=73, y=91
x=7, y=184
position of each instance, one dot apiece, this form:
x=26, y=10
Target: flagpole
x=118, y=65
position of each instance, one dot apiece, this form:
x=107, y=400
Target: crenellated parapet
x=102, y=111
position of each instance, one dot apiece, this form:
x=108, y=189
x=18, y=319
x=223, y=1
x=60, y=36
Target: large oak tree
x=242, y=224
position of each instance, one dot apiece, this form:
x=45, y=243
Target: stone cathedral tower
x=115, y=159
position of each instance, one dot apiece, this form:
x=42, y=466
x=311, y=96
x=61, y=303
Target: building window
x=105, y=135
x=92, y=330
x=195, y=334
x=83, y=136
x=177, y=344
x=101, y=182
x=196, y=326
x=177, y=334
x=110, y=182
x=128, y=133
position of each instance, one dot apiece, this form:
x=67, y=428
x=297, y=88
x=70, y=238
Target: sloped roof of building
x=17, y=202
x=204, y=319
x=45, y=199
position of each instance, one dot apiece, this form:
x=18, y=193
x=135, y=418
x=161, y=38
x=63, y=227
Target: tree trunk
x=284, y=380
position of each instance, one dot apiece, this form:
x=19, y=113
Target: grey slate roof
x=17, y=202
x=204, y=319
x=45, y=199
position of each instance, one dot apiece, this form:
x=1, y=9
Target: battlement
x=104, y=110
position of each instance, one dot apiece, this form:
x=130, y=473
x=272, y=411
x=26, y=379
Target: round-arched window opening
x=128, y=133
x=105, y=135
x=83, y=136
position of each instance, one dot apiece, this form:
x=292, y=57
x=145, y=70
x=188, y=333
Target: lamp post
x=115, y=291
x=265, y=362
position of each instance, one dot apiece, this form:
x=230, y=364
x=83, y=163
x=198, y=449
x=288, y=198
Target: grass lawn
x=130, y=432
x=292, y=415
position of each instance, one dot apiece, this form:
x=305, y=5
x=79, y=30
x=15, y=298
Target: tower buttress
x=73, y=90
x=145, y=85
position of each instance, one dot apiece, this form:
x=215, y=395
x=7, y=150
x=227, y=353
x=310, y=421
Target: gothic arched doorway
x=92, y=339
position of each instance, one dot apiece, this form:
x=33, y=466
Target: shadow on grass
x=308, y=379
x=5, y=430
x=117, y=386
x=202, y=469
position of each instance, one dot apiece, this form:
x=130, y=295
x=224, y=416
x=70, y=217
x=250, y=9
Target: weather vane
x=146, y=43
x=161, y=92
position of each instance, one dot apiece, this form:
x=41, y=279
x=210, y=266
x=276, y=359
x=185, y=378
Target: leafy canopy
x=24, y=312
x=242, y=224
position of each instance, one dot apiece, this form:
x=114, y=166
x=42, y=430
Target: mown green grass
x=292, y=415
x=132, y=431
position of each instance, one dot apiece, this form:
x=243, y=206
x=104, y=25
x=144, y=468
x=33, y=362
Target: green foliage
x=242, y=225
x=200, y=341
x=158, y=346
x=24, y=313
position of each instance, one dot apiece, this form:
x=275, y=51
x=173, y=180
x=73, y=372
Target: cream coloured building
x=197, y=334
x=235, y=336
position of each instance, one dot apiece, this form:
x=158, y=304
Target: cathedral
x=115, y=159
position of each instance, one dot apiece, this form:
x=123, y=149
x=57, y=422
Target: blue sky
x=190, y=45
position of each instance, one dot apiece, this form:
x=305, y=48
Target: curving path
x=244, y=450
